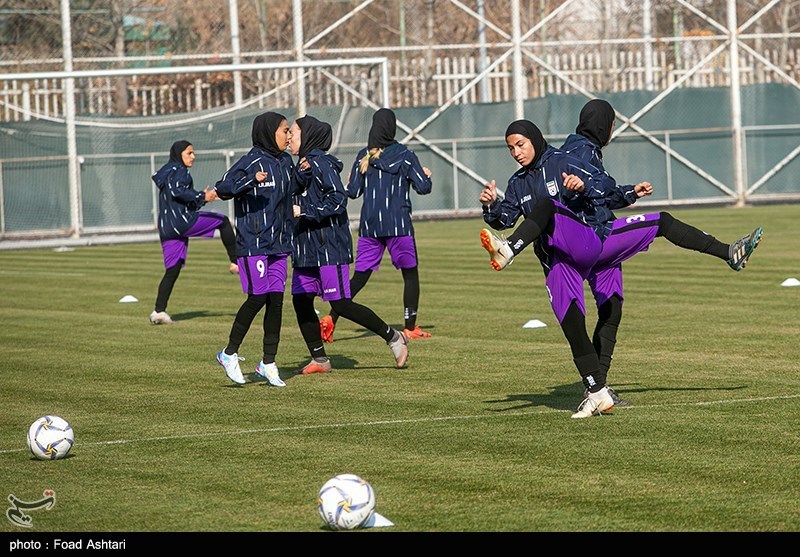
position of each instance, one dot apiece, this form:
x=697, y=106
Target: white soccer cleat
x=270, y=373
x=400, y=349
x=160, y=318
x=594, y=404
x=231, y=365
x=500, y=252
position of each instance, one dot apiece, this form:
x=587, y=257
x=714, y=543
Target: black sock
x=358, y=282
x=165, y=286
x=410, y=296
x=241, y=324
x=228, y=237
x=689, y=237
x=363, y=316
x=272, y=326
x=533, y=226
x=308, y=322
x=583, y=354
x=609, y=316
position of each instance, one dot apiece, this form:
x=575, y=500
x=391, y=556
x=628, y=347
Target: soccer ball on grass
x=346, y=502
x=50, y=438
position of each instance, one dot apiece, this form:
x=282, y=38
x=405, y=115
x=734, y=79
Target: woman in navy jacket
x=180, y=218
x=628, y=236
x=384, y=172
x=557, y=197
x=260, y=184
x=323, y=246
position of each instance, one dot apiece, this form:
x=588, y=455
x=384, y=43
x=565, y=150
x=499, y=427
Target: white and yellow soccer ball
x=50, y=438
x=346, y=502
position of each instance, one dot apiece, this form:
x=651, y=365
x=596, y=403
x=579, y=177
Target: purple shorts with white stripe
x=574, y=248
x=402, y=249
x=175, y=250
x=261, y=274
x=330, y=282
x=628, y=236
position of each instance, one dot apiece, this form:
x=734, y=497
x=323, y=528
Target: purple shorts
x=629, y=236
x=575, y=249
x=402, y=249
x=175, y=249
x=261, y=274
x=330, y=282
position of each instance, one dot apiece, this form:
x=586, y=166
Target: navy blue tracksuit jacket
x=617, y=196
x=178, y=201
x=263, y=210
x=386, y=211
x=322, y=233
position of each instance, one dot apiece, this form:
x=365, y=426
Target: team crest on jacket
x=552, y=188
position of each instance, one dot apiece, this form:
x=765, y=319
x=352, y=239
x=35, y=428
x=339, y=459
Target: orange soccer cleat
x=326, y=327
x=416, y=332
x=315, y=367
x=500, y=253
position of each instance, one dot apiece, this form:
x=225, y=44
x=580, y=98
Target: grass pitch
x=474, y=436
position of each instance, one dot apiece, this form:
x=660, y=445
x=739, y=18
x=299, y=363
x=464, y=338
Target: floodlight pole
x=647, y=32
x=297, y=21
x=75, y=216
x=233, y=9
x=736, y=105
x=517, y=72
x=484, y=85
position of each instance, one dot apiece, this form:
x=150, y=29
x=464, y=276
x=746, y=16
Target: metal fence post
x=297, y=21
x=454, y=152
x=76, y=219
x=736, y=105
x=2, y=204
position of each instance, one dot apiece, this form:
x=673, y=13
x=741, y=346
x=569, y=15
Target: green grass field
x=475, y=435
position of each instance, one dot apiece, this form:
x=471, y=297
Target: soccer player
x=624, y=238
x=260, y=184
x=323, y=246
x=553, y=199
x=180, y=218
x=383, y=173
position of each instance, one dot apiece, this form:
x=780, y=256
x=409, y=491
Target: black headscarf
x=383, y=130
x=264, y=128
x=175, y=152
x=528, y=129
x=314, y=134
x=597, y=117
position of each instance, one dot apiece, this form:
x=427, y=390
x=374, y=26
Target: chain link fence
x=706, y=93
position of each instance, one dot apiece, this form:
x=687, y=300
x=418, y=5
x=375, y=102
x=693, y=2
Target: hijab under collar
x=383, y=130
x=264, y=128
x=176, y=151
x=528, y=129
x=597, y=117
x=314, y=134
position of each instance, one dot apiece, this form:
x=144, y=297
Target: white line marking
x=405, y=421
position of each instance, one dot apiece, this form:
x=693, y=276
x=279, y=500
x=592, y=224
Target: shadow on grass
x=360, y=333
x=567, y=397
x=199, y=314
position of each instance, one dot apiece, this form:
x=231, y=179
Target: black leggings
x=537, y=222
x=583, y=352
x=166, y=285
x=309, y=322
x=272, y=323
x=410, y=293
x=228, y=237
x=689, y=237
x=609, y=316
